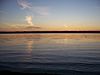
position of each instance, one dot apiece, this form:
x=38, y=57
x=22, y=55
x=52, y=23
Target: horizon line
x=9, y=32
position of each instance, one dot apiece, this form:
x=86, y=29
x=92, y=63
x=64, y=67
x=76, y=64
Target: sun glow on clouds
x=29, y=20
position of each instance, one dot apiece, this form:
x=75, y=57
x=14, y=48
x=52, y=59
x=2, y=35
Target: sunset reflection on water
x=44, y=50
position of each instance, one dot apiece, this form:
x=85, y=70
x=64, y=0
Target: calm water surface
x=57, y=53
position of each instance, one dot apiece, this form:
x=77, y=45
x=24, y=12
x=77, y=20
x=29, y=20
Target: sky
x=19, y=15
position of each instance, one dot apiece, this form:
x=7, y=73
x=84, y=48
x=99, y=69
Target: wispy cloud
x=41, y=10
x=24, y=4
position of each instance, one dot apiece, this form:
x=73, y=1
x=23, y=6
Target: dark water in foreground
x=50, y=53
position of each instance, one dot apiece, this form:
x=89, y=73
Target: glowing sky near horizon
x=49, y=15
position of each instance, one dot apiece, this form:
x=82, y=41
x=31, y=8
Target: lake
x=53, y=53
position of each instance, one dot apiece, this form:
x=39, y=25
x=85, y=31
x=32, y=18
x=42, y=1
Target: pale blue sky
x=51, y=12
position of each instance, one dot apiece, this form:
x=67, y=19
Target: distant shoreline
x=18, y=32
x=69, y=72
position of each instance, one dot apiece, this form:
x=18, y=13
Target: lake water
x=50, y=53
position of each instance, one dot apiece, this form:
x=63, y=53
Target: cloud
x=34, y=10
x=24, y=4
x=41, y=10
x=29, y=20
